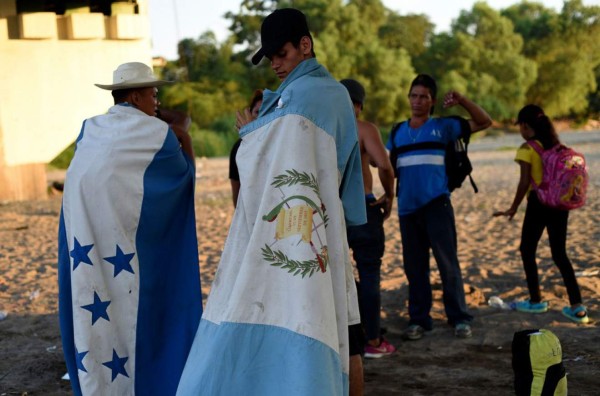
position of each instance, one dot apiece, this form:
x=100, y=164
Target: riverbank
x=31, y=355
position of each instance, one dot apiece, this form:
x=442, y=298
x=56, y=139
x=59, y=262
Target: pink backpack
x=565, y=178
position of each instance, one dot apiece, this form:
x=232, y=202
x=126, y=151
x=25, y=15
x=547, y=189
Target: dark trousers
x=367, y=242
x=538, y=217
x=432, y=227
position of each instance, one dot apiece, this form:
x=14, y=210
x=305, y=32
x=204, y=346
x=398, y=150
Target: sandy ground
x=31, y=359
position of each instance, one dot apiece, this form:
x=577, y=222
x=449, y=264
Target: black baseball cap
x=279, y=27
x=355, y=89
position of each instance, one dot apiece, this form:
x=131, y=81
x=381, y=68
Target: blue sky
x=173, y=20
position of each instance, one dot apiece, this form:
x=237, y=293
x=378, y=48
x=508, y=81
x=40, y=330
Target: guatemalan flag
x=276, y=320
x=129, y=285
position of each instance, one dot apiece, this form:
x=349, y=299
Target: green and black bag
x=537, y=364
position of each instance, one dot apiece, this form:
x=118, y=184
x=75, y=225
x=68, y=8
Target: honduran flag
x=129, y=285
x=277, y=316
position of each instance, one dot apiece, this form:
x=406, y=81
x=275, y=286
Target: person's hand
x=179, y=121
x=452, y=98
x=510, y=213
x=386, y=204
x=243, y=117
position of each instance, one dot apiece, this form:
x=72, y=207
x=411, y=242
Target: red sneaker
x=375, y=352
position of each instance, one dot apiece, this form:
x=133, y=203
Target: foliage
x=223, y=124
x=63, y=159
x=525, y=53
x=412, y=32
x=481, y=58
x=204, y=101
x=209, y=143
x=566, y=49
x=500, y=59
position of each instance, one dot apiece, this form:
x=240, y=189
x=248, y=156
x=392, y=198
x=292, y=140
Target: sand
x=31, y=359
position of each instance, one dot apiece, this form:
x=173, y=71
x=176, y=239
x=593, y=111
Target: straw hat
x=133, y=75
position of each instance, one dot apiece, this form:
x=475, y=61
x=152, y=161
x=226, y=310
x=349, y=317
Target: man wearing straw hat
x=129, y=289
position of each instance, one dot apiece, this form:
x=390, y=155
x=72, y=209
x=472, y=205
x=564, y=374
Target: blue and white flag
x=276, y=320
x=129, y=284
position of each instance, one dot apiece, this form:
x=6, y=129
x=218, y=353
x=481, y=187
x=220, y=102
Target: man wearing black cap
x=367, y=241
x=281, y=30
x=276, y=320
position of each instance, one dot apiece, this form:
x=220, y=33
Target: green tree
x=212, y=84
x=482, y=58
x=566, y=49
x=412, y=32
x=355, y=50
x=347, y=43
x=245, y=24
x=205, y=101
x=534, y=22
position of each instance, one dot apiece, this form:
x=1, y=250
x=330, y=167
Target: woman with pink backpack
x=542, y=142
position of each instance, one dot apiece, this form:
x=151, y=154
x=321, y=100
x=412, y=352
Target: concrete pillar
x=23, y=182
x=34, y=123
x=8, y=8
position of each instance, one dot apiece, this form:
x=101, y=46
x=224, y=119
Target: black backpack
x=458, y=165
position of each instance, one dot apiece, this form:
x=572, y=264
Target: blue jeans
x=367, y=242
x=432, y=227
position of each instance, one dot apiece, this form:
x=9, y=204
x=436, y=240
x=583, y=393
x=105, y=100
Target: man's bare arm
x=480, y=119
x=235, y=191
x=379, y=158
